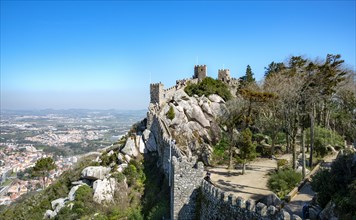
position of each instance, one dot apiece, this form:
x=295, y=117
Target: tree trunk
x=294, y=153
x=230, y=158
x=303, y=152
x=288, y=143
x=44, y=182
x=311, y=139
x=243, y=167
x=273, y=143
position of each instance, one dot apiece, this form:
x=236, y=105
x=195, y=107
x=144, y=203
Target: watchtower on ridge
x=224, y=75
x=200, y=72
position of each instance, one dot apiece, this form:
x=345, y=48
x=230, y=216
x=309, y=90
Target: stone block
x=222, y=196
x=271, y=210
x=261, y=209
x=230, y=199
x=250, y=206
x=240, y=202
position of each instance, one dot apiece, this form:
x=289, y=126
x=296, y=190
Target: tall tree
x=271, y=114
x=274, y=68
x=247, y=148
x=329, y=76
x=249, y=75
x=247, y=79
x=42, y=168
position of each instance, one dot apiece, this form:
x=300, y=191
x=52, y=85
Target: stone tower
x=224, y=75
x=157, y=93
x=200, y=72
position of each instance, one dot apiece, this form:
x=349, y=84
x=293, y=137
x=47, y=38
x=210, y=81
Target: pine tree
x=249, y=75
x=247, y=149
x=42, y=168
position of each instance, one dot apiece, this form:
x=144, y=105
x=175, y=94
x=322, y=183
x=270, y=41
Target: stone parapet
x=217, y=204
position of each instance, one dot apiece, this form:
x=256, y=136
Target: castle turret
x=200, y=72
x=157, y=93
x=224, y=75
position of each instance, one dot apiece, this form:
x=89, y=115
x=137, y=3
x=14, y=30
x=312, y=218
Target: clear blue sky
x=100, y=54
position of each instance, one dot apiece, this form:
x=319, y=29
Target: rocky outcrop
x=95, y=172
x=104, y=190
x=194, y=126
x=58, y=204
x=141, y=145
x=130, y=147
x=71, y=194
x=216, y=98
x=49, y=214
x=196, y=114
x=328, y=212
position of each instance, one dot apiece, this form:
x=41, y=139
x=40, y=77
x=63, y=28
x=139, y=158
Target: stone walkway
x=305, y=195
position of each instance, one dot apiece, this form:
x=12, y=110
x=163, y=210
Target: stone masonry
x=187, y=177
x=191, y=197
x=200, y=72
x=217, y=205
x=224, y=75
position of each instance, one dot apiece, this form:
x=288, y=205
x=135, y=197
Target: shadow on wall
x=192, y=209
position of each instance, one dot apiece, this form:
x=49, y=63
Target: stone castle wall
x=191, y=197
x=217, y=204
x=187, y=178
x=163, y=140
x=185, y=174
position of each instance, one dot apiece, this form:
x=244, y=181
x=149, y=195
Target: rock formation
x=194, y=126
x=95, y=172
x=104, y=190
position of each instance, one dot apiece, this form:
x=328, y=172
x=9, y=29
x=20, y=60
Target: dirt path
x=252, y=185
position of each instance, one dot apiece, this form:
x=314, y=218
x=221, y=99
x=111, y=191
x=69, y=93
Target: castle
x=159, y=95
x=191, y=197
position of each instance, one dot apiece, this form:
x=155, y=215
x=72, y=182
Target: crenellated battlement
x=200, y=72
x=159, y=95
x=224, y=75
x=217, y=204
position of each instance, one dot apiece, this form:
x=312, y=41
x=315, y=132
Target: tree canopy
x=42, y=168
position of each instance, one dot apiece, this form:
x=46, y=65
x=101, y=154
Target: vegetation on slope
x=147, y=196
x=34, y=205
x=339, y=185
x=207, y=87
x=316, y=97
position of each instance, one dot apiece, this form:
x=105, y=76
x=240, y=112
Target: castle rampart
x=187, y=186
x=217, y=204
x=187, y=177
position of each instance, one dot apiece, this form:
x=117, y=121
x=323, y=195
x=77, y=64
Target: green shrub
x=170, y=113
x=135, y=175
x=283, y=181
x=324, y=137
x=281, y=163
x=207, y=87
x=119, y=177
x=338, y=184
x=106, y=160
x=259, y=137
x=220, y=155
x=84, y=193
x=158, y=211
